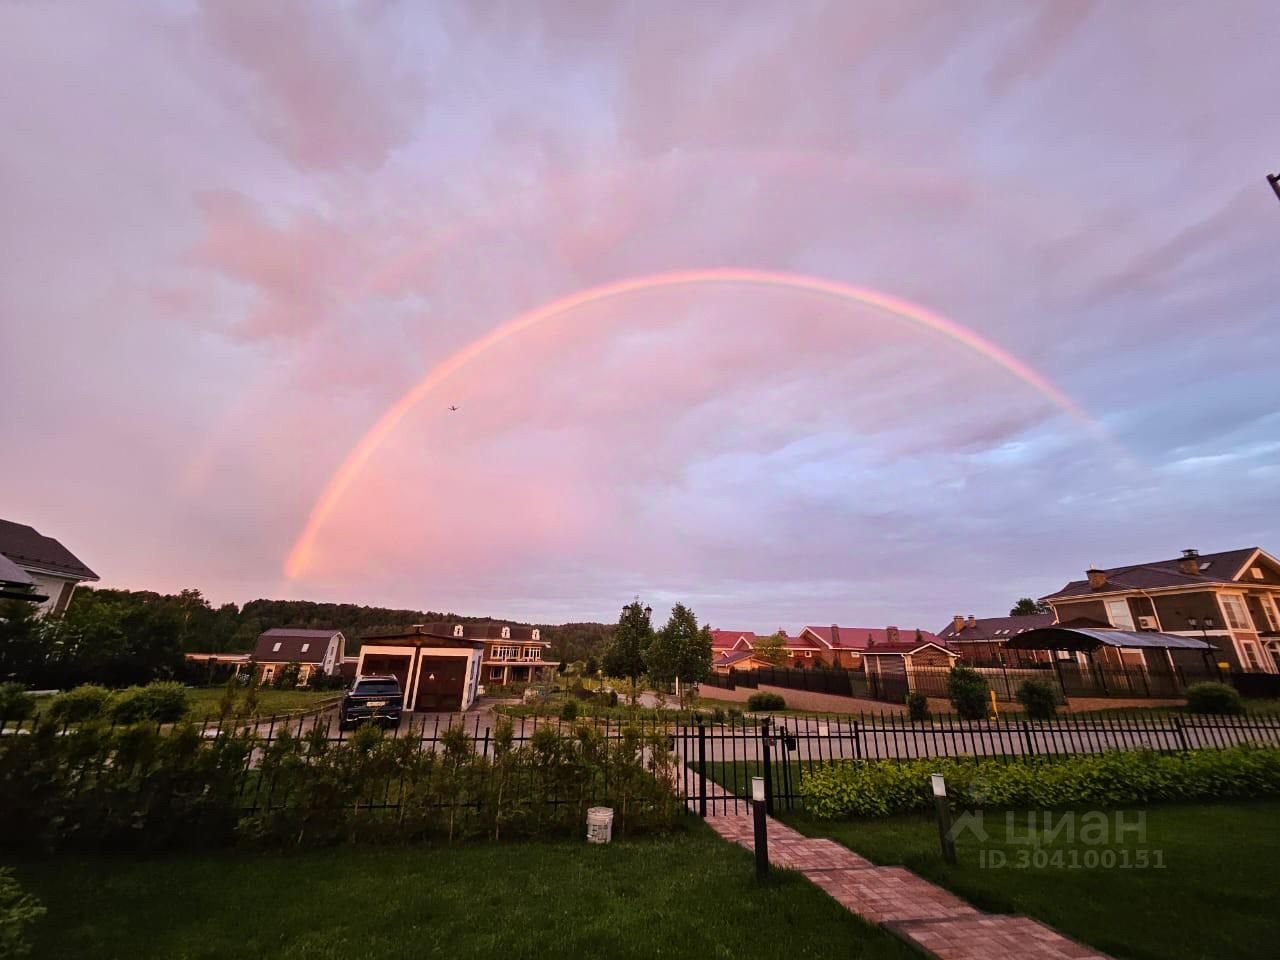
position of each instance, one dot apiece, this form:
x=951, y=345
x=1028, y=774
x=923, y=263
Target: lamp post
x=761, y=827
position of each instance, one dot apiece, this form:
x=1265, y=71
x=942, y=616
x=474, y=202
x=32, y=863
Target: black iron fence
x=721, y=759
x=1068, y=678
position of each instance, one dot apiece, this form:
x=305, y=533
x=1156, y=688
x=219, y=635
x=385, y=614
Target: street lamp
x=648, y=612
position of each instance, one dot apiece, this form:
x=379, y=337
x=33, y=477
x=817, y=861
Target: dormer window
x=306, y=647
x=457, y=630
x=535, y=634
x=506, y=633
x=276, y=647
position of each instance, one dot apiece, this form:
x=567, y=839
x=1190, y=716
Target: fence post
x=1182, y=734
x=768, y=767
x=1026, y=735
x=702, y=769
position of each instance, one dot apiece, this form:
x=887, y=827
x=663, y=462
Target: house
x=842, y=647
x=1231, y=598
x=511, y=654
x=315, y=651
x=729, y=646
x=437, y=664
x=50, y=570
x=900, y=658
x=981, y=640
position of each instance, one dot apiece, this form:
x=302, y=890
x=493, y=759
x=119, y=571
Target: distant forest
x=201, y=627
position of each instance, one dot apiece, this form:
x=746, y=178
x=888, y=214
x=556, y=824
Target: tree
x=1026, y=607
x=680, y=651
x=771, y=649
x=624, y=656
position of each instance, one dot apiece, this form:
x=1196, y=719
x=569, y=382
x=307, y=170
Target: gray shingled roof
x=995, y=628
x=1214, y=568
x=291, y=642
x=28, y=548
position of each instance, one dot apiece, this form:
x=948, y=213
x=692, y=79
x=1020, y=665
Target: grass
x=204, y=701
x=1214, y=897
x=687, y=895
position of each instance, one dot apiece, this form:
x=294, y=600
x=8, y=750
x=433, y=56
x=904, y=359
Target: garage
x=438, y=670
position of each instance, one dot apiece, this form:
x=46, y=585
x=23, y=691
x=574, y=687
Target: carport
x=1106, y=669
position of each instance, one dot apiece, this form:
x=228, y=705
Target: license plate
x=376, y=703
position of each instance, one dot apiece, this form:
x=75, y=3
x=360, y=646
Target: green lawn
x=204, y=701
x=689, y=895
x=1215, y=896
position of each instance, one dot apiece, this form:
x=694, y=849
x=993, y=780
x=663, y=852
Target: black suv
x=373, y=700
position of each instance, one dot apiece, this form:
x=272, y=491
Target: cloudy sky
x=233, y=234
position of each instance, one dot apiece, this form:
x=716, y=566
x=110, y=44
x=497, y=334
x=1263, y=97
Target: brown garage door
x=440, y=683
x=384, y=665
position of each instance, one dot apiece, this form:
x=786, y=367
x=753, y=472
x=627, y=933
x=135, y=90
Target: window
x=268, y=672
x=1255, y=572
x=276, y=648
x=809, y=654
x=306, y=647
x=495, y=673
x=1237, y=617
x=1269, y=611
x=531, y=653
x=1252, y=661
x=1118, y=611
x=505, y=653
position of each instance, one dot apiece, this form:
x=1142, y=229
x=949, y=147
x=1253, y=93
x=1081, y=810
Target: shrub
x=1038, y=698
x=15, y=702
x=918, y=706
x=718, y=715
x=160, y=702
x=879, y=788
x=569, y=710
x=766, y=701
x=85, y=702
x=606, y=698
x=968, y=692
x=17, y=910
x=1211, y=697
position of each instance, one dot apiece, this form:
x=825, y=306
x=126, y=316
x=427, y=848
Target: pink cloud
x=322, y=90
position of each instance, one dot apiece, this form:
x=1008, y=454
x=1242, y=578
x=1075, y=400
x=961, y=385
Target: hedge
x=98, y=787
x=880, y=788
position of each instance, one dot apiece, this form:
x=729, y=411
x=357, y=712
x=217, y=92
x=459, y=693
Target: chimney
x=835, y=635
x=1189, y=563
x=972, y=623
x=957, y=623
x=1097, y=578
x=891, y=634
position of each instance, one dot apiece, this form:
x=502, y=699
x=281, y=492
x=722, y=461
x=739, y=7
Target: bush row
x=161, y=702
x=99, y=787
x=884, y=787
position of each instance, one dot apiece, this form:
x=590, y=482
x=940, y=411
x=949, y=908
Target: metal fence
x=721, y=759
x=1068, y=679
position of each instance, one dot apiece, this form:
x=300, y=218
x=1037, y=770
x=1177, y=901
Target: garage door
x=440, y=683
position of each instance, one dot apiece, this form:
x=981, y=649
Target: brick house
x=981, y=640
x=843, y=647
x=899, y=658
x=732, y=648
x=1230, y=598
x=315, y=651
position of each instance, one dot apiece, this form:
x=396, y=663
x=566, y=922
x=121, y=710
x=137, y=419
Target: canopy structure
x=1090, y=639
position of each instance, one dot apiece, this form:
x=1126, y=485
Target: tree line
x=123, y=637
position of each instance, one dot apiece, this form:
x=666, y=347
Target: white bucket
x=599, y=825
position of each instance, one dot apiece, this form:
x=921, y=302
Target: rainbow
x=301, y=554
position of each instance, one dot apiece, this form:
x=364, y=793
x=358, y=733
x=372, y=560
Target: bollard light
x=761, y=825
x=943, y=812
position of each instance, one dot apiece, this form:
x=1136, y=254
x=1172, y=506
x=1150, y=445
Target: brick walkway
x=933, y=919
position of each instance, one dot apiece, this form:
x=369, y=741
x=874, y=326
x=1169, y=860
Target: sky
x=234, y=235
